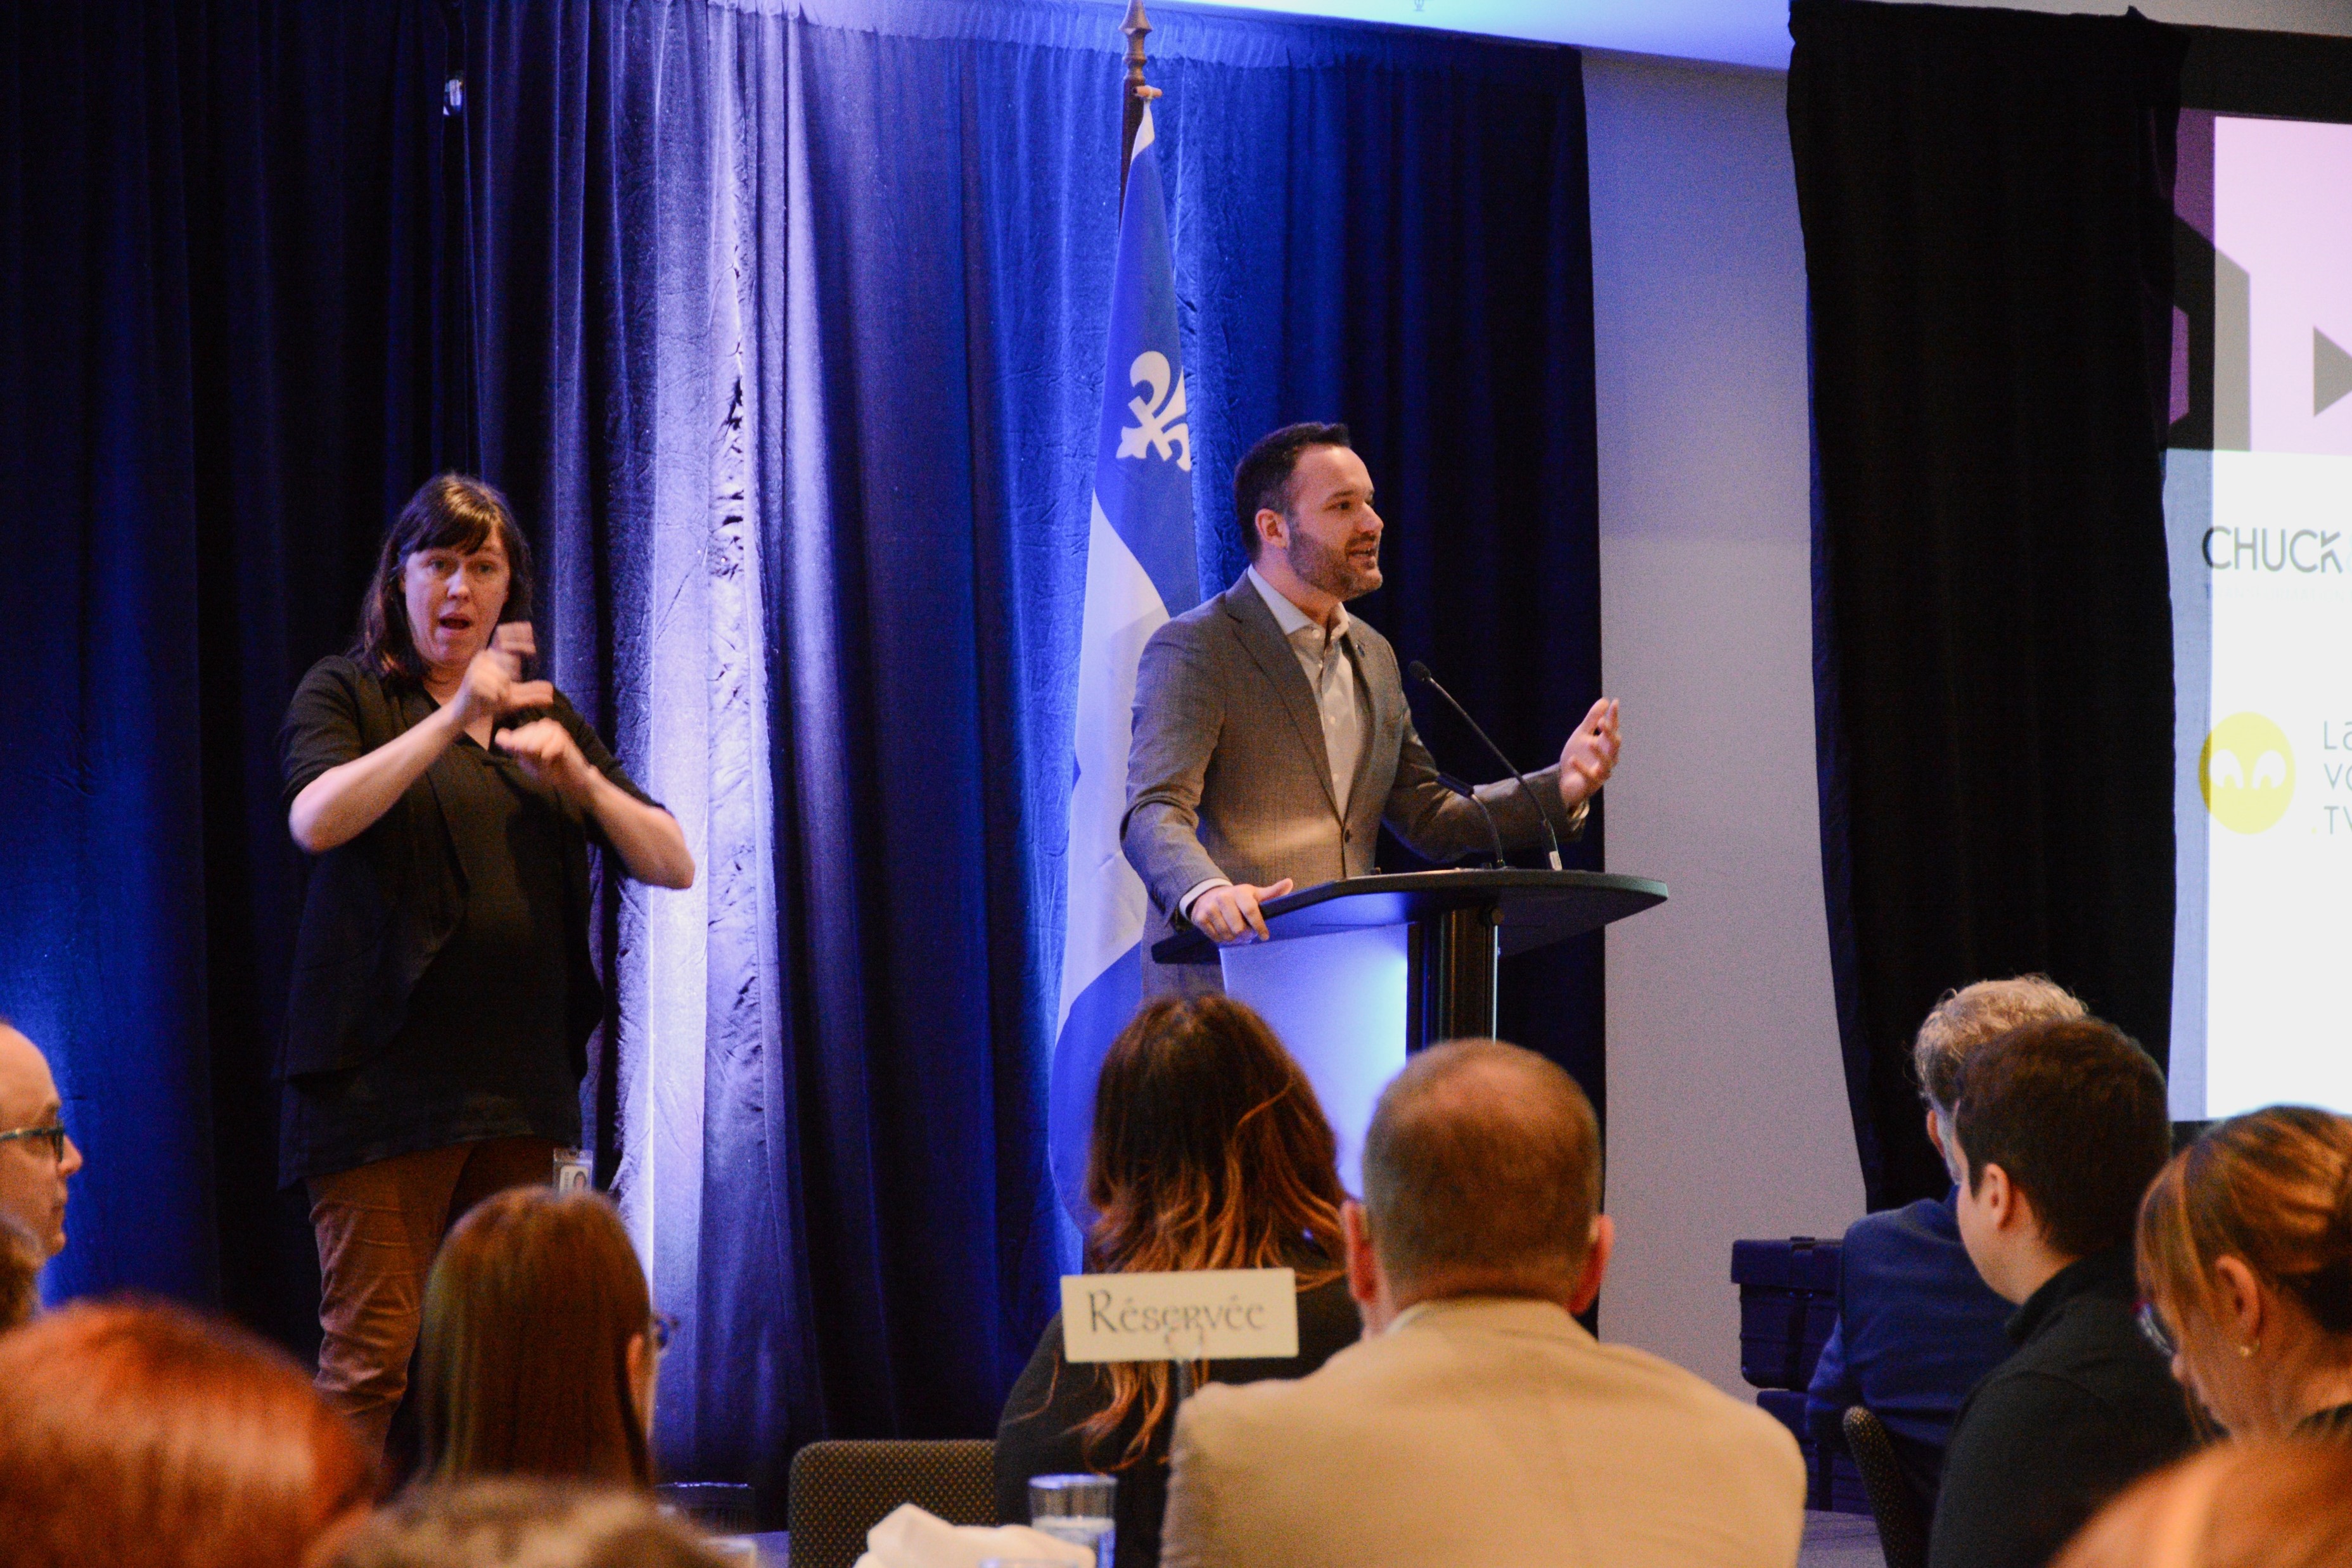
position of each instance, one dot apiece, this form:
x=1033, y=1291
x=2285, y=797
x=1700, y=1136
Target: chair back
x=842, y=1489
x=1902, y=1522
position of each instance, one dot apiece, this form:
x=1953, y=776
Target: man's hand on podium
x=1230, y=914
x=1590, y=755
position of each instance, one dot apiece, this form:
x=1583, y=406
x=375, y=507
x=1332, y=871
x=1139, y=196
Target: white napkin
x=912, y=1538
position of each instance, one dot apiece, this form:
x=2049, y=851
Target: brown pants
x=378, y=1229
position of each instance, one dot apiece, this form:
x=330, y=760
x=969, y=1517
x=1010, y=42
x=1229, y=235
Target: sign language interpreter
x=444, y=987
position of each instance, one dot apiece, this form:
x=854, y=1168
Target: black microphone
x=1467, y=794
x=1420, y=671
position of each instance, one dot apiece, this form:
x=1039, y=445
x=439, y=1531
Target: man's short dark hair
x=1482, y=1166
x=2074, y=1111
x=1262, y=482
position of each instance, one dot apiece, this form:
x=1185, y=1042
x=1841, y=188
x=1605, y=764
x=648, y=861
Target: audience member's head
x=2245, y=1255
x=139, y=1435
x=20, y=1273
x=1969, y=1017
x=37, y=1159
x=1210, y=1151
x=1482, y=1176
x=539, y=1344
x=2060, y=1127
x=522, y=1524
x=2269, y=1503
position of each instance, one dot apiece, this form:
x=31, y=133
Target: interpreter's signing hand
x=1230, y=914
x=1591, y=754
x=494, y=686
x=549, y=755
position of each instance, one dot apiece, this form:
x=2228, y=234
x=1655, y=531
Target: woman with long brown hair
x=1210, y=1151
x=540, y=1346
x=138, y=1435
x=2245, y=1260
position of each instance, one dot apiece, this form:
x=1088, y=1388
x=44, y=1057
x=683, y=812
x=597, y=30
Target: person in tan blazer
x=1478, y=1422
x=1272, y=737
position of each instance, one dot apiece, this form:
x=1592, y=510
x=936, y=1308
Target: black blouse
x=444, y=990
x=1038, y=1435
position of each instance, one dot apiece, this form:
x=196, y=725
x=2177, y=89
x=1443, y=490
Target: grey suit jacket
x=1488, y=1431
x=1227, y=775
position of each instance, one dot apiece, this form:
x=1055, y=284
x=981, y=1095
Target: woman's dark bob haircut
x=449, y=511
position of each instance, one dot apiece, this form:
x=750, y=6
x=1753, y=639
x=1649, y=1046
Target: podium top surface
x=1532, y=908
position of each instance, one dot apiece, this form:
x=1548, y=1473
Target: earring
x=2247, y=1350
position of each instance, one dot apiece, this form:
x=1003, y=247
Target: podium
x=1358, y=973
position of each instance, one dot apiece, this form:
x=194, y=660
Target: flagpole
x=1138, y=93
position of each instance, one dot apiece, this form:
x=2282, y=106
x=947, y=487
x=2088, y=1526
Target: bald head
x=32, y=1178
x=1482, y=1173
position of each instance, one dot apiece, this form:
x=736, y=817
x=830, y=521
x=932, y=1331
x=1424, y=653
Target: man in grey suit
x=1477, y=1422
x=1272, y=736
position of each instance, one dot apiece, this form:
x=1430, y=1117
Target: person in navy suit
x=1917, y=1327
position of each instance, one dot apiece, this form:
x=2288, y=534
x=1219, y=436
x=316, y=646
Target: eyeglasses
x=54, y=1135
x=2152, y=1328
x=664, y=1327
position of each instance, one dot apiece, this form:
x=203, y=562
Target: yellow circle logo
x=2247, y=772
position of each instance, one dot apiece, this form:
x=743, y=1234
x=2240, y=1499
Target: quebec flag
x=1139, y=571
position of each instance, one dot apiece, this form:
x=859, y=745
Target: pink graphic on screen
x=2283, y=210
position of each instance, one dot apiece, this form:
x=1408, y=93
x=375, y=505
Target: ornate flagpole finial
x=1138, y=92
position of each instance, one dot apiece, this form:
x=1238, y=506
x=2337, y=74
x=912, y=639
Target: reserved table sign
x=1200, y=1315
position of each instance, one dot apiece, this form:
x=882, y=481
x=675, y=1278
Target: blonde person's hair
x=2275, y=1503
x=1972, y=1016
x=2273, y=1189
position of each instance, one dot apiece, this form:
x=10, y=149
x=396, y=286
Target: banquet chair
x=1902, y=1525
x=842, y=1489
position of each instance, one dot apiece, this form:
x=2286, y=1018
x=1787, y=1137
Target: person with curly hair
x=1210, y=1151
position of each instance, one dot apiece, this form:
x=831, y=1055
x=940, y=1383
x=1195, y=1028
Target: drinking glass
x=1075, y=1509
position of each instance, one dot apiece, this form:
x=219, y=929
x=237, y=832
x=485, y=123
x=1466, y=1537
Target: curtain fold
x=781, y=325
x=1986, y=198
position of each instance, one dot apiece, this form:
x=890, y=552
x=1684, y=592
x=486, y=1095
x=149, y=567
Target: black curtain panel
x=1986, y=198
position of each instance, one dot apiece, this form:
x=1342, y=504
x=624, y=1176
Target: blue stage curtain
x=781, y=326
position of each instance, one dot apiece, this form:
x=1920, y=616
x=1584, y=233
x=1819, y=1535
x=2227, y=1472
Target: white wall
x=1752, y=32
x=1726, y=1101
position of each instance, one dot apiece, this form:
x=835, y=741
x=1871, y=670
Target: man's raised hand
x=1591, y=754
x=1230, y=914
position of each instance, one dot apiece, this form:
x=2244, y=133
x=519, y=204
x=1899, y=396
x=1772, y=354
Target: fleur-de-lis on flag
x=1160, y=402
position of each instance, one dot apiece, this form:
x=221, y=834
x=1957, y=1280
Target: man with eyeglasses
x=37, y=1159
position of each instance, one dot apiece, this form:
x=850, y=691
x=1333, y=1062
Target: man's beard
x=1334, y=571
